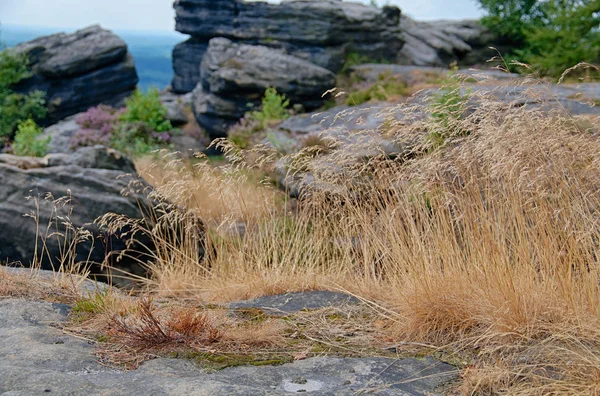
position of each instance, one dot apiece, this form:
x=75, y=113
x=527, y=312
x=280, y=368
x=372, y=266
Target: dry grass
x=486, y=245
x=480, y=241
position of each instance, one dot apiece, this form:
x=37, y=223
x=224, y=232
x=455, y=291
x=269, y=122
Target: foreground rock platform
x=38, y=358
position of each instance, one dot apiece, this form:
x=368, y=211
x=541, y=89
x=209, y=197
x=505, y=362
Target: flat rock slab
x=283, y=304
x=38, y=358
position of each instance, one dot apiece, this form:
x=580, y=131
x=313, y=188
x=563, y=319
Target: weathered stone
x=439, y=43
x=187, y=57
x=284, y=304
x=91, y=178
x=60, y=135
x=79, y=70
x=40, y=358
x=235, y=75
x=176, y=107
x=321, y=32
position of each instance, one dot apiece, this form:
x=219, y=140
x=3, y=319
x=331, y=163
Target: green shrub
x=27, y=141
x=147, y=108
x=274, y=107
x=15, y=107
x=550, y=35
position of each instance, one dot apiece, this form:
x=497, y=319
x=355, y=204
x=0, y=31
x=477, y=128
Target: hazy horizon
x=158, y=15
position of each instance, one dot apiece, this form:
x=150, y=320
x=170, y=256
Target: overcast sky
x=158, y=14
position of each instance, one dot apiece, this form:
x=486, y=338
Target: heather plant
x=97, y=127
x=16, y=107
x=136, y=130
x=27, y=141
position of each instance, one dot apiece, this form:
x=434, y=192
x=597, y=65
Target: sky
x=158, y=15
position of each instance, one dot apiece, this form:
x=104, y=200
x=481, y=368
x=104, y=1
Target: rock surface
x=93, y=176
x=38, y=358
x=235, y=75
x=79, y=70
x=321, y=32
x=439, y=43
x=283, y=304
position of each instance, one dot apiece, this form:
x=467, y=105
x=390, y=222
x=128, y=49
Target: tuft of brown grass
x=144, y=328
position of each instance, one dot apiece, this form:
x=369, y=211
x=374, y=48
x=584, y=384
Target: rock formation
x=93, y=177
x=439, y=43
x=322, y=32
x=79, y=70
x=235, y=75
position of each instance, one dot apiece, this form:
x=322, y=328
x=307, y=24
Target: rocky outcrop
x=235, y=75
x=79, y=70
x=321, y=32
x=92, y=179
x=42, y=358
x=439, y=43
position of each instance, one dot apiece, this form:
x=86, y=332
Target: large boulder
x=234, y=75
x=92, y=179
x=321, y=32
x=79, y=70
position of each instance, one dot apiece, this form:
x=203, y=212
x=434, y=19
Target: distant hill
x=151, y=50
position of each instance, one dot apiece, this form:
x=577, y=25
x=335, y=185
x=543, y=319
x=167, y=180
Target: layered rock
x=89, y=184
x=235, y=75
x=79, y=70
x=439, y=43
x=321, y=32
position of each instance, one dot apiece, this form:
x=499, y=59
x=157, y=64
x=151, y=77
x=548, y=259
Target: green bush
x=550, y=35
x=274, y=107
x=15, y=107
x=147, y=108
x=27, y=141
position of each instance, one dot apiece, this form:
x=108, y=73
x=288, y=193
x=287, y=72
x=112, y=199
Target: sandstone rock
x=79, y=70
x=439, y=43
x=93, y=176
x=40, y=358
x=187, y=57
x=234, y=75
x=60, y=135
x=284, y=304
x=321, y=32
x=176, y=106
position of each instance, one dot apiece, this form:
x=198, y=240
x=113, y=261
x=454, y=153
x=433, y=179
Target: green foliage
x=147, y=108
x=15, y=107
x=384, y=89
x=27, y=141
x=447, y=109
x=274, y=107
x=550, y=35
x=134, y=139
